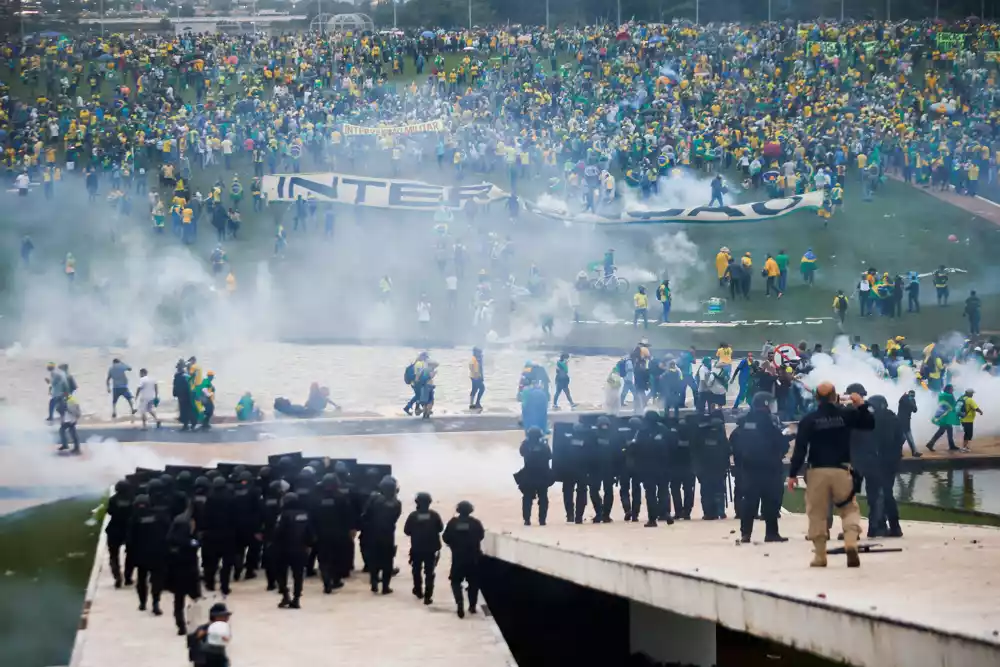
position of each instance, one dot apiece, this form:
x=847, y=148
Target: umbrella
x=657, y=39
x=106, y=57
x=50, y=33
x=427, y=34
x=232, y=60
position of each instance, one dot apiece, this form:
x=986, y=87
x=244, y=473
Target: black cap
x=219, y=609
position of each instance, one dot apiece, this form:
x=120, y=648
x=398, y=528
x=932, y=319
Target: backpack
x=409, y=375
x=620, y=367
x=962, y=408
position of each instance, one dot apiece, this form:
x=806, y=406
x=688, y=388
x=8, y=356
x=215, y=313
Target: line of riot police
x=656, y=459
x=242, y=519
x=284, y=518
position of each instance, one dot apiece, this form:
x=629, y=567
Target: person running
x=117, y=383
x=147, y=395
x=967, y=411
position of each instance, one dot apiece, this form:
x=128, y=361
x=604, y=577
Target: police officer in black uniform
x=423, y=526
x=711, y=461
x=574, y=474
x=147, y=537
x=681, y=467
x=762, y=448
x=293, y=536
x=464, y=536
x=379, y=526
x=629, y=485
x=331, y=518
x=218, y=536
x=182, y=566
x=248, y=513
x=651, y=453
x=271, y=512
x=602, y=470
x=119, y=515
x=535, y=477
x=351, y=501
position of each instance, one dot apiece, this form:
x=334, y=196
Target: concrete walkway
x=958, y=598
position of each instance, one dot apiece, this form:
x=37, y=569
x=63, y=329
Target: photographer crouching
x=823, y=440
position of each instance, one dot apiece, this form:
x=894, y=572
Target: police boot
x=156, y=607
x=526, y=503
x=894, y=530
x=543, y=510
x=772, y=534
x=118, y=580
x=295, y=603
x=418, y=589
x=456, y=590
x=819, y=553
x=473, y=599
x=286, y=602
x=429, y=590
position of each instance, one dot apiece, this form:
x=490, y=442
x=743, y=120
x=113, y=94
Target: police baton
x=729, y=489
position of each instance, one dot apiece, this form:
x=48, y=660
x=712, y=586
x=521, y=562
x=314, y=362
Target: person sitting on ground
x=319, y=398
x=247, y=411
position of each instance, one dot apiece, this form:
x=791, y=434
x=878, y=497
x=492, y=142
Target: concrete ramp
x=932, y=604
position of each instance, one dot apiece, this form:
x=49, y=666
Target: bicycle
x=610, y=283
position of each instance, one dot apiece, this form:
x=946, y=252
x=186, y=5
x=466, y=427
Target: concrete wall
x=853, y=637
x=668, y=637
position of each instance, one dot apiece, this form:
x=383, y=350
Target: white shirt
x=146, y=390
x=864, y=286
x=452, y=283
x=218, y=634
x=227, y=147
x=22, y=181
x=423, y=312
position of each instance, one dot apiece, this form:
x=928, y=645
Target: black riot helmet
x=154, y=487
x=388, y=486
x=603, y=423
x=274, y=489
x=762, y=401
x=167, y=480
x=634, y=423
x=340, y=468
x=141, y=501
x=857, y=388
x=264, y=474
x=534, y=434
x=579, y=429
x=465, y=508
x=184, y=478
x=423, y=500
x=219, y=483
x=329, y=481
x=290, y=501
x=202, y=483
x=245, y=478
x=122, y=487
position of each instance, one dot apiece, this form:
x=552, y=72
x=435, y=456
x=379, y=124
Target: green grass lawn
x=904, y=229
x=46, y=554
x=795, y=501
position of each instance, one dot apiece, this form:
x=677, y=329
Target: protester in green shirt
x=782, y=261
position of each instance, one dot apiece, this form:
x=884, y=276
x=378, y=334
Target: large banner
x=403, y=195
x=412, y=128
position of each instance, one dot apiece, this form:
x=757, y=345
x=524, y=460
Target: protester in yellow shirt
x=967, y=411
x=641, y=307
x=771, y=272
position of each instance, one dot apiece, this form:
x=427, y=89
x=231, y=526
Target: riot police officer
x=119, y=515
x=464, y=536
x=574, y=474
x=629, y=486
x=379, y=528
x=762, y=447
x=711, y=462
x=271, y=512
x=293, y=536
x=331, y=517
x=350, y=498
x=651, y=452
x=681, y=467
x=218, y=536
x=535, y=477
x=248, y=514
x=147, y=541
x=182, y=566
x=423, y=526
x=602, y=470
